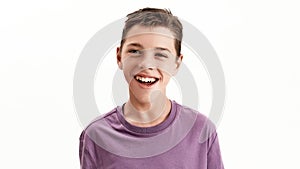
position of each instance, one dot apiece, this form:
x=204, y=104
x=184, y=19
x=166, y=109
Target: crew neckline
x=147, y=130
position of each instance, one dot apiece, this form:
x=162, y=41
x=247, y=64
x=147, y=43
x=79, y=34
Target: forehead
x=151, y=37
x=157, y=30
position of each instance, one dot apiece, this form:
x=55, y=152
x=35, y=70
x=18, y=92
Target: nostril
x=146, y=66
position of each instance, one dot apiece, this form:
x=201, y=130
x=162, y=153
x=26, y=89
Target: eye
x=161, y=55
x=133, y=51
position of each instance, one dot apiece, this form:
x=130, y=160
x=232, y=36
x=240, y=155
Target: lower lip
x=146, y=86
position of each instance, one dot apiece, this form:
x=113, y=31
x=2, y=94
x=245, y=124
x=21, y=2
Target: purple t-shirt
x=185, y=140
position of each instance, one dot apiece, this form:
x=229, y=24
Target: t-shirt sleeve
x=214, y=159
x=87, y=152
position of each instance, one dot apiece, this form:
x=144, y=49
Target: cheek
x=130, y=65
x=167, y=80
x=128, y=71
x=166, y=77
x=127, y=74
x=168, y=67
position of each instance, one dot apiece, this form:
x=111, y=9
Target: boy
x=150, y=131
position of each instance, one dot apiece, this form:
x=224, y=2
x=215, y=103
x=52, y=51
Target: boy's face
x=148, y=60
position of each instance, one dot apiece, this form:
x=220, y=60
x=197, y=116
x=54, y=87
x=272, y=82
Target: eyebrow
x=160, y=48
x=135, y=45
x=141, y=46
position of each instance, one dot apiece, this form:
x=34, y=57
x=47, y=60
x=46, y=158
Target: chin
x=141, y=97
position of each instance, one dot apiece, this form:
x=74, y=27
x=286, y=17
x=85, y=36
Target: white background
x=257, y=42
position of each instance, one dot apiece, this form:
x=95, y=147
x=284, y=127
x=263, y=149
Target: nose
x=147, y=62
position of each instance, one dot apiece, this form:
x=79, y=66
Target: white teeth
x=145, y=79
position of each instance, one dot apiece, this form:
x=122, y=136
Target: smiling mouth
x=146, y=80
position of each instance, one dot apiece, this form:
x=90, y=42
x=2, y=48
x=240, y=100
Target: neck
x=147, y=114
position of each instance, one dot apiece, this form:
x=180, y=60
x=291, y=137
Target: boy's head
x=149, y=53
x=154, y=17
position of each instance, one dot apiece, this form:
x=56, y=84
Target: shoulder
x=100, y=122
x=202, y=125
x=197, y=115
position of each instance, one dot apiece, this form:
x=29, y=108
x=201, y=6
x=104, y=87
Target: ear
x=119, y=61
x=178, y=63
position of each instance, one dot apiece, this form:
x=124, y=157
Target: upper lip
x=145, y=75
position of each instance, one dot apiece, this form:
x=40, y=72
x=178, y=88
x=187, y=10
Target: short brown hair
x=152, y=17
